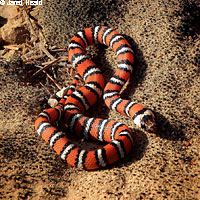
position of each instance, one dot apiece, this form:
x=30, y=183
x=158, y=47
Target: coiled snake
x=72, y=107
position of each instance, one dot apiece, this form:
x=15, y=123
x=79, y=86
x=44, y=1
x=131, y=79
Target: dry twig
x=46, y=52
x=34, y=57
x=59, y=50
x=11, y=47
x=45, y=88
x=46, y=66
x=57, y=85
x=34, y=36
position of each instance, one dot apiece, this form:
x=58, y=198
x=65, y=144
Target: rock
x=12, y=29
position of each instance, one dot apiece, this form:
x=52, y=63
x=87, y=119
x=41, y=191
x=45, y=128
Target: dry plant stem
x=42, y=36
x=46, y=67
x=42, y=48
x=64, y=58
x=57, y=85
x=34, y=36
x=35, y=57
x=60, y=59
x=11, y=47
x=45, y=88
x=58, y=50
x=46, y=52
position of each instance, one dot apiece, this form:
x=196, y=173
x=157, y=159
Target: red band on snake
x=72, y=107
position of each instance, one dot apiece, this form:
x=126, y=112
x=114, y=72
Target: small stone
x=52, y=102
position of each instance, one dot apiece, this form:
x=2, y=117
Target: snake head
x=146, y=120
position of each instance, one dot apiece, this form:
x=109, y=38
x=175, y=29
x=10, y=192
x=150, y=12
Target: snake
x=117, y=138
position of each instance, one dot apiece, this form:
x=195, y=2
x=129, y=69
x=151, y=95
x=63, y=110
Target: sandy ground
x=165, y=38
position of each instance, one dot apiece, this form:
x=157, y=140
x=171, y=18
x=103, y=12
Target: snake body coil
x=77, y=101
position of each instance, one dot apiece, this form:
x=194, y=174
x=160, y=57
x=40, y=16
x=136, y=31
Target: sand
x=165, y=38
